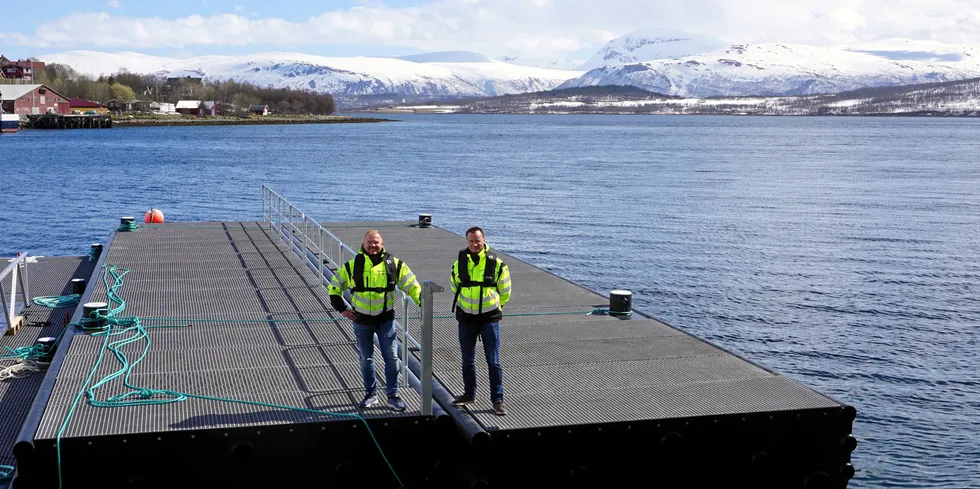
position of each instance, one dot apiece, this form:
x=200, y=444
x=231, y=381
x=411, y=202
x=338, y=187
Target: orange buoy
x=154, y=216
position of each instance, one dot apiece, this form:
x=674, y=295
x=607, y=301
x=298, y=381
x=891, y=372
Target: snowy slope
x=339, y=76
x=789, y=69
x=651, y=44
x=737, y=70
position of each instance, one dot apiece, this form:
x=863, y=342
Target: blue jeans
x=389, y=351
x=491, y=347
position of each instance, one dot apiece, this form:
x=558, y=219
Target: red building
x=23, y=69
x=33, y=99
x=196, y=107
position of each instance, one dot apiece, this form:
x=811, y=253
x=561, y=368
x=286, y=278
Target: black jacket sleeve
x=338, y=303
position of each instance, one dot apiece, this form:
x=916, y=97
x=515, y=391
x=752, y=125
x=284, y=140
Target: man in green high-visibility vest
x=372, y=277
x=481, y=284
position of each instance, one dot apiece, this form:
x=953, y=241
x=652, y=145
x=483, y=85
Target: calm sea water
x=841, y=252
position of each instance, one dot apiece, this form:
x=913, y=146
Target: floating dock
x=250, y=378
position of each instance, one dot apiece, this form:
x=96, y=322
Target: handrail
x=305, y=233
x=10, y=308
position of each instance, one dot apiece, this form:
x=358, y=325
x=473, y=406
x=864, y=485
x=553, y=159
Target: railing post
x=8, y=313
x=319, y=255
x=306, y=239
x=428, y=288
x=25, y=284
x=404, y=340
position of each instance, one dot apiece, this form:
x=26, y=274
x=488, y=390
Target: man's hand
x=349, y=314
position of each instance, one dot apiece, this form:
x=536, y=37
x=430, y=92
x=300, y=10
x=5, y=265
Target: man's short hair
x=372, y=231
x=475, y=229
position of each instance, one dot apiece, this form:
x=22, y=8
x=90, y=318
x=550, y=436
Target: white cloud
x=544, y=28
x=113, y=4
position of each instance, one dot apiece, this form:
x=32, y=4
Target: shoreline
x=241, y=121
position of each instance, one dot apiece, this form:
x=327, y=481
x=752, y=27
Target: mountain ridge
x=773, y=69
x=766, y=69
x=959, y=98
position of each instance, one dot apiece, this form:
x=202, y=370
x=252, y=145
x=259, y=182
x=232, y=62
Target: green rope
x=326, y=320
x=547, y=313
x=55, y=302
x=196, y=320
x=133, y=331
x=23, y=353
x=32, y=352
x=557, y=313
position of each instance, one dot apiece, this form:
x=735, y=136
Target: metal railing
x=325, y=252
x=17, y=270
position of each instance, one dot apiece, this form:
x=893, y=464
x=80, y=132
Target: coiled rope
x=132, y=330
x=56, y=301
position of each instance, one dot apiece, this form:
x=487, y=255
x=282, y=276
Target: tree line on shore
x=233, y=97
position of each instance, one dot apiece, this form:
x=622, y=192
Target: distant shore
x=141, y=121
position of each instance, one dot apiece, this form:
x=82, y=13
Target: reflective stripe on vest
x=357, y=276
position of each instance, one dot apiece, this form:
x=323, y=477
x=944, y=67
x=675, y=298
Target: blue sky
x=532, y=29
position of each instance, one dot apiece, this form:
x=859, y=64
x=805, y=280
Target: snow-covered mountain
x=791, y=69
x=668, y=62
x=437, y=74
x=649, y=45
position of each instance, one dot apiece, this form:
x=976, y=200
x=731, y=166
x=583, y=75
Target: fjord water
x=841, y=252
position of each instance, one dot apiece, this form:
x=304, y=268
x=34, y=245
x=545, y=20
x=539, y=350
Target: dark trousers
x=491, y=347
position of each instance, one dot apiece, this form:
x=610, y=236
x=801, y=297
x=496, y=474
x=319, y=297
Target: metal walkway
x=48, y=277
x=230, y=312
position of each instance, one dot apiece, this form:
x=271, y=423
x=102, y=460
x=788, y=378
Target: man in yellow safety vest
x=481, y=284
x=372, y=277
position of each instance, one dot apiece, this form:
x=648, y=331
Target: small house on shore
x=209, y=107
x=258, y=109
x=197, y=107
x=82, y=106
x=163, y=108
x=189, y=107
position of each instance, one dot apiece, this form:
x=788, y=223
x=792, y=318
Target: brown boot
x=499, y=409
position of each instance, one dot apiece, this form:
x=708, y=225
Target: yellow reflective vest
x=372, y=286
x=480, y=296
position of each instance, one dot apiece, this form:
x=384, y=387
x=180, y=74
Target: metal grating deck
x=48, y=277
x=563, y=367
x=253, y=325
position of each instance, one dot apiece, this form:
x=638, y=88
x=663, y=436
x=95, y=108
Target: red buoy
x=154, y=216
